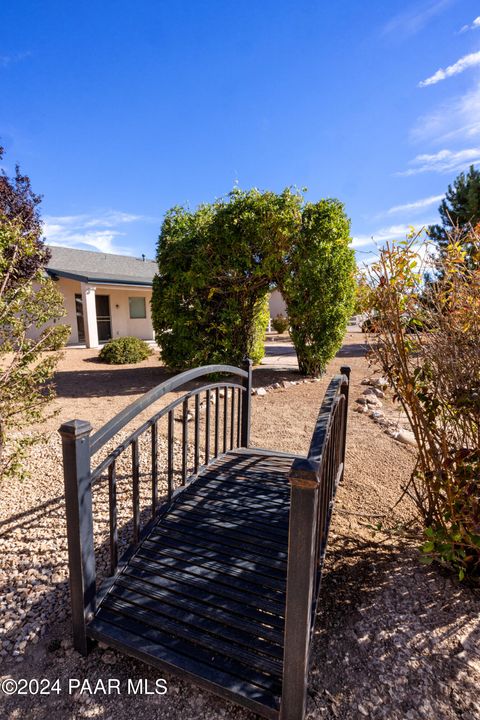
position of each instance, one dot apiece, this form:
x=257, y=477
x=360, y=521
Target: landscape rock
x=109, y=658
x=406, y=437
x=261, y=391
x=373, y=400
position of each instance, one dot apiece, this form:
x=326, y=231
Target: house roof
x=101, y=268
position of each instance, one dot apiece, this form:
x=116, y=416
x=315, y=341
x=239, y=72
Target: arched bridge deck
x=220, y=586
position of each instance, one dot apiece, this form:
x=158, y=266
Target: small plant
x=125, y=350
x=280, y=324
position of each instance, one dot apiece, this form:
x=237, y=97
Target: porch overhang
x=99, y=278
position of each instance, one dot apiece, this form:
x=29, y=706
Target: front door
x=104, y=325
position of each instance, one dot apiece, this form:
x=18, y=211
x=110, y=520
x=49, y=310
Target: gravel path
x=394, y=639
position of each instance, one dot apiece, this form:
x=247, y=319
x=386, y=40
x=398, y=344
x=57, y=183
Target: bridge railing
x=314, y=481
x=217, y=427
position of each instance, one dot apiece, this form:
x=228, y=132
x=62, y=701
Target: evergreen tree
x=459, y=211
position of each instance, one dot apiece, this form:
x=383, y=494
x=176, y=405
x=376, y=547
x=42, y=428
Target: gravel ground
x=394, y=639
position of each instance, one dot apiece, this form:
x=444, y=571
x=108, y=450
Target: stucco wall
x=68, y=288
x=276, y=304
x=122, y=323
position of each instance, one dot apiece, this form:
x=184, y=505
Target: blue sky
x=119, y=110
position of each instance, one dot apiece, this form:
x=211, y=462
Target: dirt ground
x=394, y=639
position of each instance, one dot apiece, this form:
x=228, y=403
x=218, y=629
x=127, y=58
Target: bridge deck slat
x=204, y=592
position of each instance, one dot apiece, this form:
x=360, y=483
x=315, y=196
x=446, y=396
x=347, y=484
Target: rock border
x=370, y=403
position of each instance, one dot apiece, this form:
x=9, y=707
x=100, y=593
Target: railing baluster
x=246, y=403
x=217, y=419
x=136, y=490
x=239, y=415
x=171, y=431
x=225, y=419
x=154, y=468
x=112, y=502
x=345, y=370
x=232, y=419
x=197, y=433
x=207, y=427
x=184, y=440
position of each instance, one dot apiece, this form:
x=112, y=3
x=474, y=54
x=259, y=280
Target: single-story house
x=108, y=296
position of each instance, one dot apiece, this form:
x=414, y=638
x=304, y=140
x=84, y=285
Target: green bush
x=261, y=319
x=124, y=350
x=218, y=263
x=319, y=288
x=216, y=266
x=280, y=324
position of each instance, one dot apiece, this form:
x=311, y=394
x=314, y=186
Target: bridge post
x=300, y=600
x=78, y=503
x=246, y=404
x=344, y=388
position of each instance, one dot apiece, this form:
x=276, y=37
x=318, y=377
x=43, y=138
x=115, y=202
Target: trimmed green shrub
x=218, y=263
x=124, y=350
x=216, y=266
x=319, y=287
x=280, y=324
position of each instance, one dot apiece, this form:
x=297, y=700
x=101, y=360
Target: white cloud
x=89, y=232
x=359, y=241
x=393, y=232
x=6, y=60
x=416, y=205
x=457, y=118
x=467, y=61
x=412, y=21
x=443, y=161
x=474, y=26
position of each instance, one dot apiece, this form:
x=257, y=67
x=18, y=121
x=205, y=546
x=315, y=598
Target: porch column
x=90, y=315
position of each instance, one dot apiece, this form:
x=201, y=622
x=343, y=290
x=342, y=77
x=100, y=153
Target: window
x=137, y=307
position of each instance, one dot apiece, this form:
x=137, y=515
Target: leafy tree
x=459, y=211
x=28, y=301
x=362, y=295
x=217, y=264
x=427, y=343
x=18, y=202
x=30, y=306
